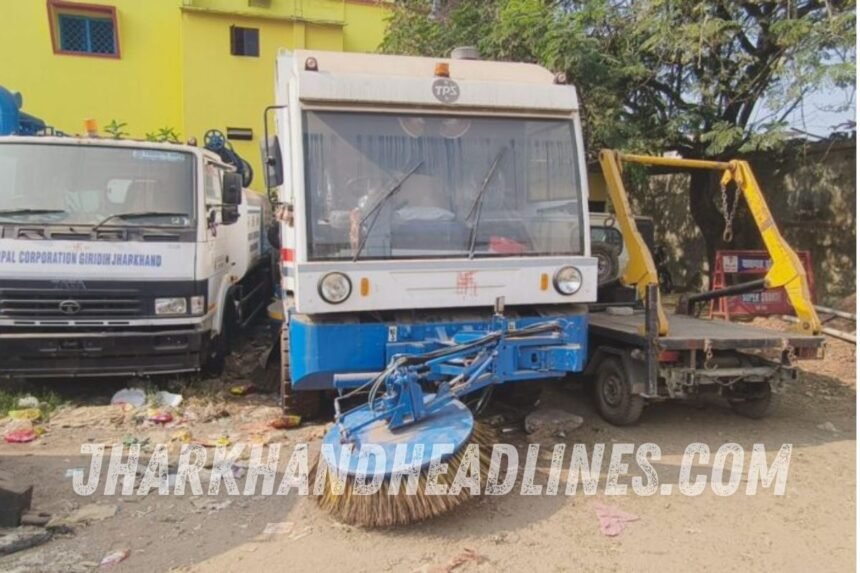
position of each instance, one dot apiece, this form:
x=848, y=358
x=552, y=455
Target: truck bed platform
x=690, y=333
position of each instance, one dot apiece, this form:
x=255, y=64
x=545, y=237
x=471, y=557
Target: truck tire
x=756, y=407
x=305, y=403
x=613, y=393
x=607, y=262
x=220, y=346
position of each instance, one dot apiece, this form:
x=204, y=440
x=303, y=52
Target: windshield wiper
x=31, y=211
x=137, y=215
x=378, y=207
x=477, y=206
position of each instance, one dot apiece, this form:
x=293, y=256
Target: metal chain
x=729, y=216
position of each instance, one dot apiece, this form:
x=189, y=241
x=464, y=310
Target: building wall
x=139, y=88
x=221, y=90
x=175, y=67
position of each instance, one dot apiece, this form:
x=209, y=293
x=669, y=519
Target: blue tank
x=13, y=121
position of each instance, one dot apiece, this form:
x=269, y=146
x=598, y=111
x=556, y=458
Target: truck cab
x=122, y=257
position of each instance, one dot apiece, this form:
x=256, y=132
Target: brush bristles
x=383, y=509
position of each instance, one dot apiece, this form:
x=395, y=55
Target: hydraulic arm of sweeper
x=470, y=362
x=786, y=270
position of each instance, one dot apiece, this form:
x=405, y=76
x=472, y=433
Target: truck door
x=216, y=259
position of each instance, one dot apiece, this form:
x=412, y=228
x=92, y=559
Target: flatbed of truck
x=691, y=333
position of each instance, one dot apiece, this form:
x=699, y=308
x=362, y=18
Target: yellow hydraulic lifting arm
x=786, y=270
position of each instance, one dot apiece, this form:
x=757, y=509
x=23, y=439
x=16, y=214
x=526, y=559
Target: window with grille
x=244, y=41
x=85, y=30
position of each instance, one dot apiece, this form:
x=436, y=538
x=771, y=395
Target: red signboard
x=732, y=267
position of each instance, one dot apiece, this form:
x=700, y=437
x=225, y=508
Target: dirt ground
x=811, y=527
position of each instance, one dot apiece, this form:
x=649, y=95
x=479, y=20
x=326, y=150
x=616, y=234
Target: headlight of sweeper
x=567, y=280
x=335, y=288
x=171, y=306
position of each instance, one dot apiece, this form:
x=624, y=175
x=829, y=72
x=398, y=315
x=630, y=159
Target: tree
x=702, y=78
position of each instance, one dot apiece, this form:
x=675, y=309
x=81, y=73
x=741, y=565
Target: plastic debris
x=27, y=414
x=112, y=559
x=466, y=556
x=28, y=402
x=21, y=436
x=87, y=514
x=243, y=389
x=167, y=399
x=279, y=528
x=130, y=440
x=285, y=422
x=222, y=441
x=238, y=470
x=612, y=520
x=160, y=416
x=182, y=436
x=132, y=396
x=826, y=426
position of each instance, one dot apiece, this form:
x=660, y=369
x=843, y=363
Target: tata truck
x=122, y=257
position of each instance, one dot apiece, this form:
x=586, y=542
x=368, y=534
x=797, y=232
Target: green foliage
x=116, y=130
x=164, y=135
x=705, y=78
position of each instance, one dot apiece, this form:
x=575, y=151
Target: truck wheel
x=219, y=347
x=304, y=403
x=612, y=390
x=758, y=404
x=607, y=262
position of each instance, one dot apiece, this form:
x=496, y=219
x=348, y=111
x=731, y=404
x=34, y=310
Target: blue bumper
x=320, y=349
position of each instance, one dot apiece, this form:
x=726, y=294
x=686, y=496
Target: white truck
x=122, y=257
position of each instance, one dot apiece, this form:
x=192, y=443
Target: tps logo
x=446, y=90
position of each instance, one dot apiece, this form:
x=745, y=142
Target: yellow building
x=189, y=65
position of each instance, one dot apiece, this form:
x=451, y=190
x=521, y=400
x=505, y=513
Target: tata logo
x=70, y=307
x=446, y=90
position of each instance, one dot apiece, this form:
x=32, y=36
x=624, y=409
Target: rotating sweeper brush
x=396, y=459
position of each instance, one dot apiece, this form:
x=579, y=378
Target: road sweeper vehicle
x=121, y=257
x=434, y=242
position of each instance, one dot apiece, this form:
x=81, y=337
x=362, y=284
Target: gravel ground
x=811, y=526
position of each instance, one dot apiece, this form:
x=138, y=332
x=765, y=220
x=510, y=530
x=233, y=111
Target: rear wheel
x=754, y=401
x=614, y=396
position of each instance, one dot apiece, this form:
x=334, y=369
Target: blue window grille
x=86, y=35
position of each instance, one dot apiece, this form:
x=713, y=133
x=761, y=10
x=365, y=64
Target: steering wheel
x=352, y=189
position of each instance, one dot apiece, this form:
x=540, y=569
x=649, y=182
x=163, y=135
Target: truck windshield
x=85, y=184
x=483, y=186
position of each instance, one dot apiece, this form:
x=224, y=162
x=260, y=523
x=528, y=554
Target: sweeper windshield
x=386, y=186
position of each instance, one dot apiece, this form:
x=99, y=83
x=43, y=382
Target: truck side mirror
x=231, y=192
x=272, y=162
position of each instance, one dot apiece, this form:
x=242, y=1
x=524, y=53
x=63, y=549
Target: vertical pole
x=652, y=333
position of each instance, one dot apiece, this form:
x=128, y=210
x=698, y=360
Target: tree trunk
x=704, y=189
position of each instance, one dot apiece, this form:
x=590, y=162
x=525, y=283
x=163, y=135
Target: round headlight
x=335, y=288
x=567, y=280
